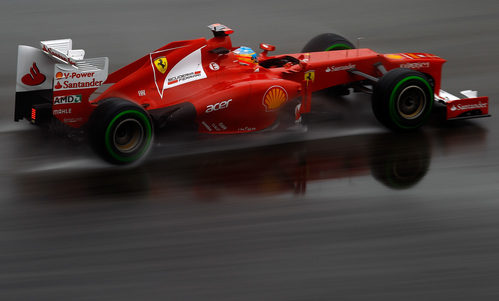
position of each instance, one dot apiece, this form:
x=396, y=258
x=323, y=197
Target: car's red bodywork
x=216, y=88
x=229, y=97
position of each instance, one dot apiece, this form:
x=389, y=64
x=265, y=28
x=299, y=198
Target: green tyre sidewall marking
x=338, y=47
x=108, y=131
x=393, y=115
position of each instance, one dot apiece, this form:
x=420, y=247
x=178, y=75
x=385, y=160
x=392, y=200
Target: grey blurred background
x=346, y=211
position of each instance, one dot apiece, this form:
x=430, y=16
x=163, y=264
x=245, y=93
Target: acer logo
x=34, y=77
x=218, y=106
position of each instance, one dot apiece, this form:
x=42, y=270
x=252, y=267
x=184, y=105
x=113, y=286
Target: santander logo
x=34, y=77
x=459, y=107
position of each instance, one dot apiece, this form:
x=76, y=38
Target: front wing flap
x=464, y=108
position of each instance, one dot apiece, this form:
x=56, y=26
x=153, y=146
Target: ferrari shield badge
x=310, y=76
x=161, y=64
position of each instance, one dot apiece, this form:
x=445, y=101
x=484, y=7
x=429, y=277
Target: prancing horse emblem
x=161, y=64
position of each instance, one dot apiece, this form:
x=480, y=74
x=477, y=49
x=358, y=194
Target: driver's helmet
x=246, y=56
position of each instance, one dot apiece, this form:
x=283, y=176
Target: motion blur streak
x=346, y=211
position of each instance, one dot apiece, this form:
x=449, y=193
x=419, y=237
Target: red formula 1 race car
x=221, y=89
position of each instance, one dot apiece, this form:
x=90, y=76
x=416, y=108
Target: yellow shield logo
x=310, y=76
x=161, y=64
x=274, y=98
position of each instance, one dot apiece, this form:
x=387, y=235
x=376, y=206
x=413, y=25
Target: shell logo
x=274, y=98
x=58, y=75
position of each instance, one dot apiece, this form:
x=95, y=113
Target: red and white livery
x=202, y=84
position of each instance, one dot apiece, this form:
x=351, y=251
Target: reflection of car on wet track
x=214, y=87
x=397, y=161
x=262, y=170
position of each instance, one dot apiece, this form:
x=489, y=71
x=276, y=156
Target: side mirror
x=266, y=48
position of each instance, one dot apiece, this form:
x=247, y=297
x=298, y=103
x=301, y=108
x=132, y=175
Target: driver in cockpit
x=246, y=56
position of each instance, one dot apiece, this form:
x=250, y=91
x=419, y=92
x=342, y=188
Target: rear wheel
x=402, y=99
x=330, y=42
x=120, y=131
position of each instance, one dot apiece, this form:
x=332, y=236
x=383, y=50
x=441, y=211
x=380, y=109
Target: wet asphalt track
x=346, y=211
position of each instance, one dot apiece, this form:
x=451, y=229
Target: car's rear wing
x=54, y=71
x=63, y=51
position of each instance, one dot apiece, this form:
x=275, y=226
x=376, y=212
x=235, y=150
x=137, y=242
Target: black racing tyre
x=330, y=42
x=120, y=131
x=402, y=99
x=327, y=42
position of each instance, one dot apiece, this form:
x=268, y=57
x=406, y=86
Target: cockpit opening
x=281, y=61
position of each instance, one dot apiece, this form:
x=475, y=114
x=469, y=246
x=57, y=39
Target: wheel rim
x=411, y=102
x=128, y=135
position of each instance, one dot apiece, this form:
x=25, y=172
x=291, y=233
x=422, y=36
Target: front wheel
x=402, y=99
x=120, y=131
x=327, y=42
